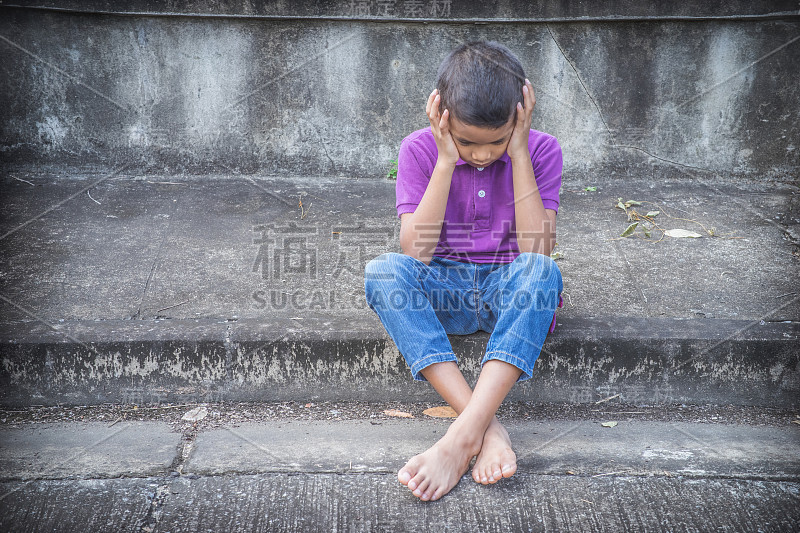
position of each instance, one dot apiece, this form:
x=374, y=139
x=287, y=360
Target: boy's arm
x=420, y=230
x=535, y=225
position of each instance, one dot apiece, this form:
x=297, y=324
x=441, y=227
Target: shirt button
x=481, y=193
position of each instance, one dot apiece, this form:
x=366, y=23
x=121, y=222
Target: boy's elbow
x=538, y=246
x=410, y=248
x=415, y=253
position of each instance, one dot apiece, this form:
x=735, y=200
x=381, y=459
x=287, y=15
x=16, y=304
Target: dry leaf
x=608, y=424
x=681, y=233
x=198, y=413
x=397, y=414
x=443, y=411
x=795, y=421
x=630, y=229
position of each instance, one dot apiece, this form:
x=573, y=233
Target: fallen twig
x=607, y=399
x=26, y=181
x=610, y=473
x=171, y=306
x=92, y=199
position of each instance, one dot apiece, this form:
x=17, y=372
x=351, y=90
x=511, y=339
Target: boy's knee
x=538, y=268
x=533, y=262
x=379, y=265
x=385, y=266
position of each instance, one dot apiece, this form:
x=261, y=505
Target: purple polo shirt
x=479, y=223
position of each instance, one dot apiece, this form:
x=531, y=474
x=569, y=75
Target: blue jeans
x=420, y=304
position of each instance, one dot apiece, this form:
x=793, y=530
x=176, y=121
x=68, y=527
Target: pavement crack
x=154, y=266
x=630, y=273
x=185, y=447
x=157, y=500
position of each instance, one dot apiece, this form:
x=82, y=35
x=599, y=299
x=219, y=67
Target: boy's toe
x=420, y=492
x=404, y=476
x=509, y=470
x=417, y=482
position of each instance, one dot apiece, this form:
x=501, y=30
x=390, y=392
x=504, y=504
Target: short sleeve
x=414, y=171
x=548, y=163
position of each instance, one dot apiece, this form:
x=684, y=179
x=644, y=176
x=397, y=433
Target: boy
x=477, y=196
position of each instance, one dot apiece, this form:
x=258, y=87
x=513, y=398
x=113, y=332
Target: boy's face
x=479, y=146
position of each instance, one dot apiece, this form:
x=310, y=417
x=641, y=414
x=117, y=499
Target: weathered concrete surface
x=235, y=247
x=332, y=358
x=77, y=506
x=121, y=288
x=335, y=97
x=543, y=447
x=427, y=9
x=376, y=502
x=86, y=450
x=285, y=475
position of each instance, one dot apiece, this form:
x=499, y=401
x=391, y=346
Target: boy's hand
x=518, y=145
x=440, y=126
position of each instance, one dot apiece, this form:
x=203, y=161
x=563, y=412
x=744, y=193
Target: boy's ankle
x=466, y=435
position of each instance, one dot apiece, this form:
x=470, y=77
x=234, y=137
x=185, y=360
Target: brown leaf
x=443, y=411
x=397, y=414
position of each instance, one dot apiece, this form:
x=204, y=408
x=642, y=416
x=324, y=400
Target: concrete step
x=376, y=502
x=128, y=288
x=148, y=469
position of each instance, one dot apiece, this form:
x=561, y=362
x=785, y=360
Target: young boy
x=477, y=196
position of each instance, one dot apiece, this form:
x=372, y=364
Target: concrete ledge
x=204, y=94
x=650, y=361
x=87, y=450
x=543, y=448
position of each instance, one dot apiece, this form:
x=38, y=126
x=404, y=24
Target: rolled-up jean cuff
x=497, y=355
x=428, y=360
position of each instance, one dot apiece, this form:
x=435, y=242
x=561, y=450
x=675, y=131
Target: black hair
x=480, y=83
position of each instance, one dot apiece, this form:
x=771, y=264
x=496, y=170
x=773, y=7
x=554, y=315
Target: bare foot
x=432, y=474
x=496, y=460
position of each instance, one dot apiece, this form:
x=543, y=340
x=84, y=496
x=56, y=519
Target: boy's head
x=480, y=83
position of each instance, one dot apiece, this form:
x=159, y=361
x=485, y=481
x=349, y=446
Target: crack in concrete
x=325, y=148
x=600, y=113
x=629, y=271
x=157, y=501
x=158, y=498
x=154, y=267
x=657, y=157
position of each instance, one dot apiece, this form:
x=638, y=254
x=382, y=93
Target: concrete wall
x=331, y=88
